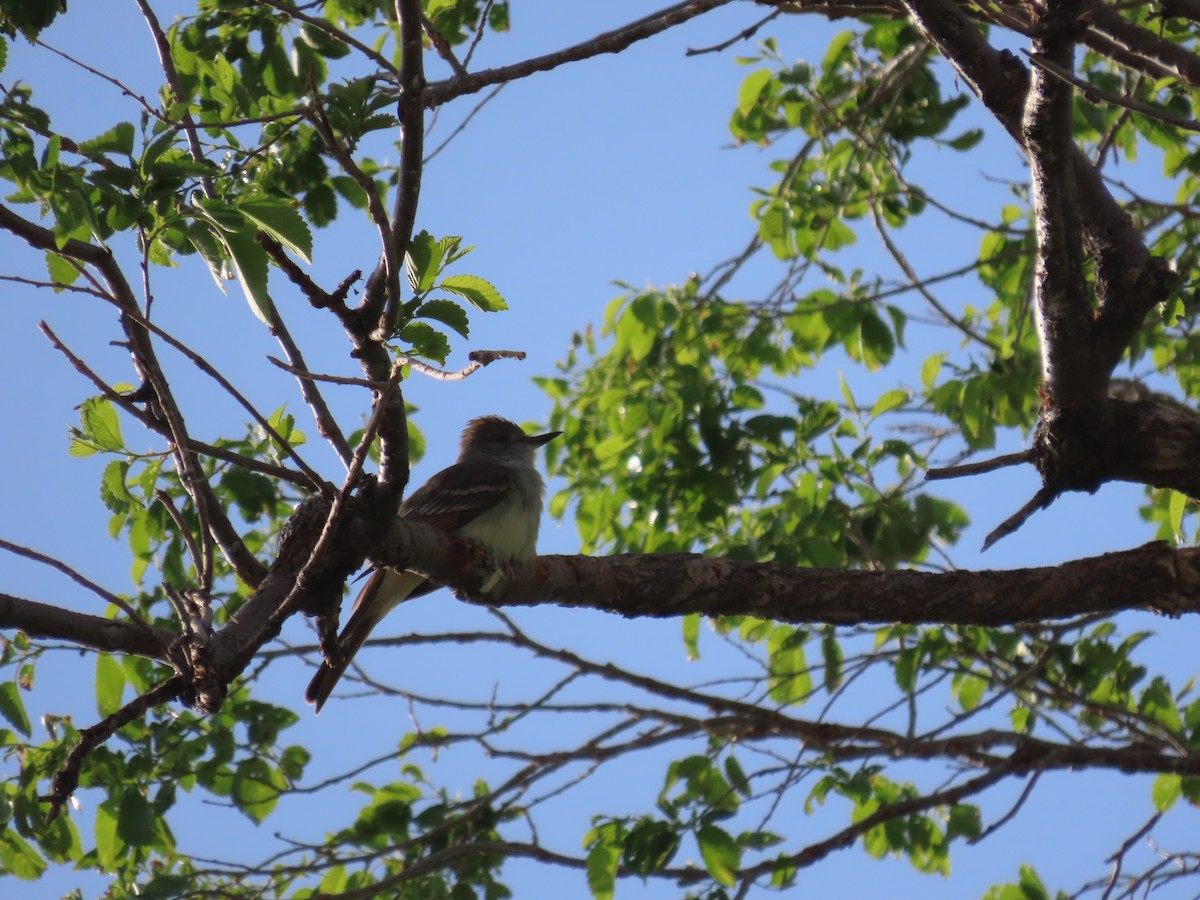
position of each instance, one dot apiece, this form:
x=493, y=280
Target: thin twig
x=1042, y=499
x=201, y=559
x=978, y=468
x=478, y=358
x=316, y=482
x=1008, y=816
x=466, y=121
x=744, y=35
x=1091, y=92
x=615, y=41
x=327, y=425
x=324, y=25
x=158, y=426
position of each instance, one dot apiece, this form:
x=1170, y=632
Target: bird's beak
x=538, y=439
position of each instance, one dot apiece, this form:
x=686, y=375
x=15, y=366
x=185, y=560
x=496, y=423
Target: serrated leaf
x=250, y=266
x=475, y=290
x=13, y=709
x=602, y=871
x=423, y=261
x=114, y=493
x=61, y=270
x=100, y=424
x=118, y=139
x=448, y=313
x=280, y=220
x=136, y=824
x=426, y=341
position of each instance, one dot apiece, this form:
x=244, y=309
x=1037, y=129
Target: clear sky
x=617, y=168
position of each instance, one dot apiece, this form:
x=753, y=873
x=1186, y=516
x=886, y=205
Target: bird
x=492, y=494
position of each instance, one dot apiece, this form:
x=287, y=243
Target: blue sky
x=617, y=168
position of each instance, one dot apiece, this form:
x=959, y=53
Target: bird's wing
x=457, y=495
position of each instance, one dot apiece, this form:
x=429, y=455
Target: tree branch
x=440, y=92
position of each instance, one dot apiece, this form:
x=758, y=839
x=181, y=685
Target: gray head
x=498, y=437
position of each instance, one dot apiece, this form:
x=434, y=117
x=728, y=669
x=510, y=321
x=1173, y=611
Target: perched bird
x=493, y=495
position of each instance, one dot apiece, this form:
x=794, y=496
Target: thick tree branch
x=1062, y=308
x=1153, y=577
x=41, y=620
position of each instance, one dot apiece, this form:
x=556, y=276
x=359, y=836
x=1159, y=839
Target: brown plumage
x=492, y=494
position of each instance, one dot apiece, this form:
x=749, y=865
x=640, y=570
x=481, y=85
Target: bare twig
x=316, y=482
x=978, y=468
x=1093, y=93
x=744, y=35
x=610, y=42
x=1042, y=499
x=201, y=558
x=327, y=426
x=158, y=426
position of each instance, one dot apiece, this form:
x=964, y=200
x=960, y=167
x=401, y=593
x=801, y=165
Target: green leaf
x=13, y=709
x=136, y=822
x=426, y=341
x=832, y=656
x=737, y=776
x=280, y=220
x=114, y=492
x=720, y=854
x=1166, y=790
x=1176, y=505
x=19, y=858
x=475, y=290
x=250, y=265
x=751, y=89
x=930, y=369
x=109, y=845
x=967, y=139
x=889, y=400
x=423, y=261
x=101, y=427
x=602, y=862
x=970, y=689
x=256, y=788
x=691, y=636
x=61, y=270
x=790, y=679
x=110, y=684
x=448, y=313
x=118, y=139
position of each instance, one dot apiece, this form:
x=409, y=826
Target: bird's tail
x=383, y=592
